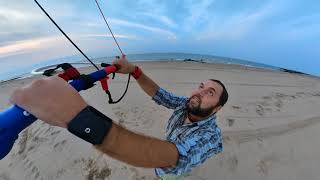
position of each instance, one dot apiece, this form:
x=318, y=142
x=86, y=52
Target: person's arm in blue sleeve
x=160, y=95
x=193, y=152
x=168, y=99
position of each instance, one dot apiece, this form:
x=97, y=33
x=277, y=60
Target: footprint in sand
x=60, y=145
x=230, y=160
x=260, y=110
x=239, y=109
x=316, y=94
x=55, y=132
x=248, y=135
x=23, y=138
x=93, y=170
x=60, y=173
x=236, y=107
x=31, y=170
x=4, y=176
x=134, y=116
x=274, y=102
x=266, y=163
x=230, y=122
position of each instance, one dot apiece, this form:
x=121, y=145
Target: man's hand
x=52, y=100
x=125, y=66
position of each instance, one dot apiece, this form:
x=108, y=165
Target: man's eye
x=200, y=87
x=211, y=93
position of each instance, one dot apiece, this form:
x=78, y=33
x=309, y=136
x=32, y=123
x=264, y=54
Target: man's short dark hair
x=224, y=95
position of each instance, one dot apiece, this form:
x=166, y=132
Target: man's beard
x=197, y=110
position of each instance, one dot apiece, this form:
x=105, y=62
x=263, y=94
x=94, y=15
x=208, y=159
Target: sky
x=282, y=33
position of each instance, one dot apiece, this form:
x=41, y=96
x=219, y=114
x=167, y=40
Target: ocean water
x=6, y=74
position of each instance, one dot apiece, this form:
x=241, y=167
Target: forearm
x=138, y=150
x=147, y=84
x=125, y=67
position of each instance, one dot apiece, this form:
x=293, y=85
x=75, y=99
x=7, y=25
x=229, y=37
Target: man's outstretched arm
x=55, y=102
x=138, y=150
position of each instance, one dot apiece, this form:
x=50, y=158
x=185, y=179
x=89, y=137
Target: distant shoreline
x=38, y=71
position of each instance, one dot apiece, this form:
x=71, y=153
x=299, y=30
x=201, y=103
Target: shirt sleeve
x=167, y=99
x=193, y=152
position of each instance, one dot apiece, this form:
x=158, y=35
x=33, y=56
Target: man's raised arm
x=147, y=84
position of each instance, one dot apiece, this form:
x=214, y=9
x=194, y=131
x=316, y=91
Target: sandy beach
x=270, y=125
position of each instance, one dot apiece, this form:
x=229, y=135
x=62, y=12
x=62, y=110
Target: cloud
x=228, y=27
x=25, y=46
x=107, y=35
x=13, y=21
x=159, y=31
x=17, y=15
x=198, y=12
x=301, y=28
x=162, y=19
x=151, y=6
x=24, y=20
x=239, y=24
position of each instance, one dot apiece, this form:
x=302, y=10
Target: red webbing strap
x=64, y=76
x=71, y=73
x=137, y=72
x=104, y=83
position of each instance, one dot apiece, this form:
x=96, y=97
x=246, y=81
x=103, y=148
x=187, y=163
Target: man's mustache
x=196, y=96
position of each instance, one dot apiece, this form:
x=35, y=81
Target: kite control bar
x=15, y=119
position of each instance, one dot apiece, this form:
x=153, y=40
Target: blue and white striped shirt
x=195, y=142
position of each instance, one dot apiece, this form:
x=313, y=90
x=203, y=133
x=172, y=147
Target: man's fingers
x=116, y=61
x=20, y=95
x=118, y=64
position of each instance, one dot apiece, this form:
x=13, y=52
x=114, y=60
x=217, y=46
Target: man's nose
x=202, y=93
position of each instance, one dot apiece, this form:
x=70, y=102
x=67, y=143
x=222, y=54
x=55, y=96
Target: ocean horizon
x=26, y=71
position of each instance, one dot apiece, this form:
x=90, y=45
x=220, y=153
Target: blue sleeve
x=167, y=99
x=193, y=152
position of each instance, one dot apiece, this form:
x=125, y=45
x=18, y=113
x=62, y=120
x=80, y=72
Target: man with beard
x=192, y=135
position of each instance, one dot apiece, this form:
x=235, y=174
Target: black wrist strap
x=90, y=125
